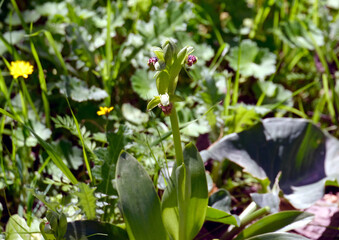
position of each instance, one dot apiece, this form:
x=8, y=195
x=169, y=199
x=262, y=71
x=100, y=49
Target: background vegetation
x=256, y=59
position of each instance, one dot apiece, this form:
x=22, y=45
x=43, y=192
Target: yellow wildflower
x=20, y=68
x=104, y=110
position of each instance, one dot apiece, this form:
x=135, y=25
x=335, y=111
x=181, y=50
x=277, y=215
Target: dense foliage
x=78, y=101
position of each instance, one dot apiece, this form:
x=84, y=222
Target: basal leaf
x=305, y=155
x=90, y=229
x=186, y=192
x=278, y=236
x=17, y=229
x=133, y=114
x=216, y=215
x=274, y=222
x=139, y=201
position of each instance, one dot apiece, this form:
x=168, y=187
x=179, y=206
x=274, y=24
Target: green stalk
x=237, y=76
x=107, y=74
x=245, y=221
x=328, y=97
x=27, y=96
x=17, y=10
x=176, y=136
x=43, y=85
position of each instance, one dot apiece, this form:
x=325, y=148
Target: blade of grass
x=274, y=106
x=42, y=81
x=293, y=110
x=17, y=10
x=261, y=16
x=56, y=51
x=48, y=148
x=107, y=71
x=9, y=47
x=227, y=99
x=318, y=110
x=82, y=143
x=328, y=97
x=223, y=49
x=237, y=76
x=27, y=96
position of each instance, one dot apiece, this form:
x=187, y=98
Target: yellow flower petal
x=104, y=110
x=20, y=68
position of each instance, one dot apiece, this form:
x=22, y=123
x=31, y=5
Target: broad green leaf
x=278, y=236
x=78, y=91
x=17, y=229
x=169, y=205
x=139, y=201
x=216, y=215
x=133, y=114
x=28, y=16
x=254, y=61
x=144, y=85
x=198, y=189
x=274, y=93
x=11, y=38
x=274, y=222
x=300, y=150
x=31, y=141
x=89, y=229
x=87, y=201
x=186, y=192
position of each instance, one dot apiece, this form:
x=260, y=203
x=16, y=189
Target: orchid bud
x=191, y=59
x=151, y=62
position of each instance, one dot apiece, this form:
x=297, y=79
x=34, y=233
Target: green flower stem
x=245, y=221
x=176, y=136
x=28, y=97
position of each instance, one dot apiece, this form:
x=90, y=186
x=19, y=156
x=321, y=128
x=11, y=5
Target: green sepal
x=163, y=80
x=160, y=65
x=168, y=54
x=159, y=53
x=153, y=103
x=175, y=69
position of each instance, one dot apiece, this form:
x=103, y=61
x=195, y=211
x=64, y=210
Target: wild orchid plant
x=181, y=212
